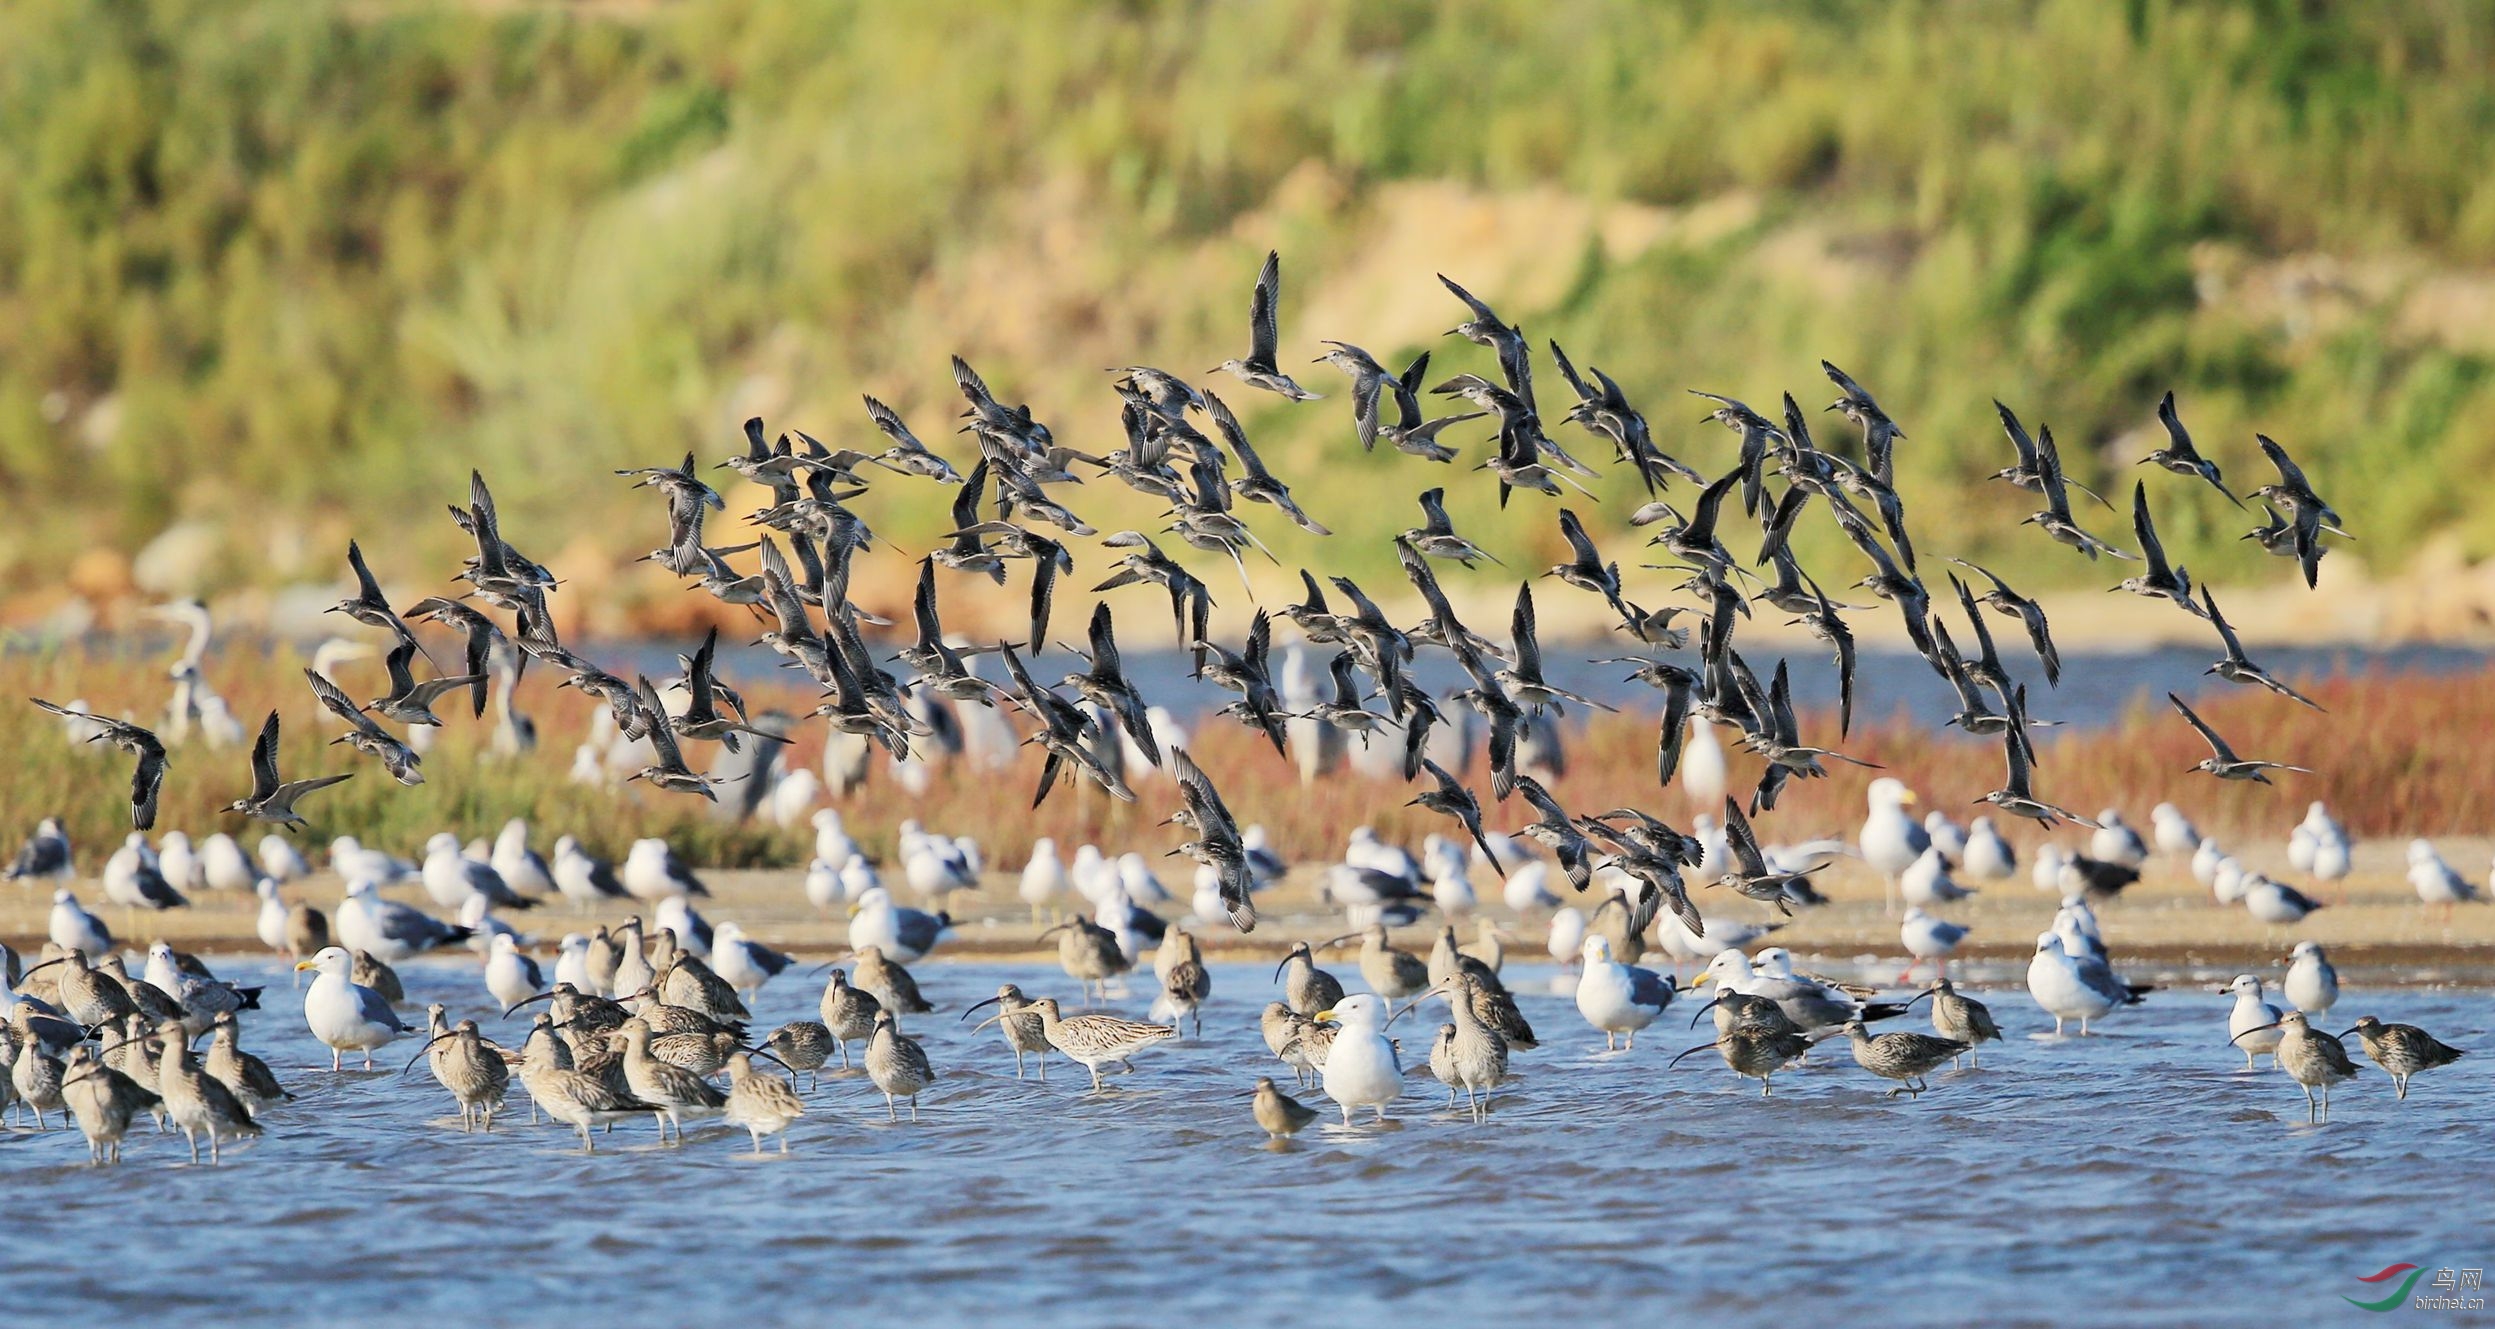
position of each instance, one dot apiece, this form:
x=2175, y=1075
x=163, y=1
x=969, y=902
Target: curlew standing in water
x=103, y=1101
x=1753, y=1052
x=760, y=1102
x=1024, y=1032
x=1468, y=1054
x=198, y=1103
x=2315, y=1060
x=1958, y=1016
x=1094, y=1040
x=249, y=1077
x=673, y=1092
x=2402, y=1050
x=1307, y=988
x=1901, y=1056
x=897, y=1065
x=1089, y=953
x=803, y=1045
x=576, y=1098
x=472, y=1069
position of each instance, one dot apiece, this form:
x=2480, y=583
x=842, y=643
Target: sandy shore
x=2166, y=923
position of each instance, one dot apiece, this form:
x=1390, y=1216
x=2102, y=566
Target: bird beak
x=1677, y=1060
x=2257, y=1029
x=1348, y=936
x=1693, y=1019
x=428, y=1043
x=1701, y=981
x=974, y=1006
x=1908, y=798
x=524, y=1001
x=2350, y=1031
x=300, y=965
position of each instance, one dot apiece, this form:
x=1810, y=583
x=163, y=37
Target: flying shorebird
x=1259, y=369
x=270, y=799
x=668, y=770
x=2237, y=667
x=2015, y=796
x=2179, y=456
x=147, y=779
x=368, y=606
x=2157, y=580
x=365, y=736
x=2222, y=761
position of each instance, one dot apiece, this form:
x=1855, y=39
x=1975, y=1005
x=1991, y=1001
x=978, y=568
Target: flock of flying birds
x=802, y=589
x=1185, y=446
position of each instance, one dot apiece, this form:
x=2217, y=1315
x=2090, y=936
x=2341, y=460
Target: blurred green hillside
x=290, y=270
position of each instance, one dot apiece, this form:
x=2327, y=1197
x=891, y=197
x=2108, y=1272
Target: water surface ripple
x=2135, y=1178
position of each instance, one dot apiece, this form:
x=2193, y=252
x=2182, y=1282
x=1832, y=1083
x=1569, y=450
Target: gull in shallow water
x=344, y=1014
x=2251, y=1018
x=2075, y=987
x=1361, y=1068
x=1616, y=998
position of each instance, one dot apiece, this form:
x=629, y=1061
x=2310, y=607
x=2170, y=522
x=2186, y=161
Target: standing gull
x=344, y=1014
x=1361, y=1068
x=1616, y=998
